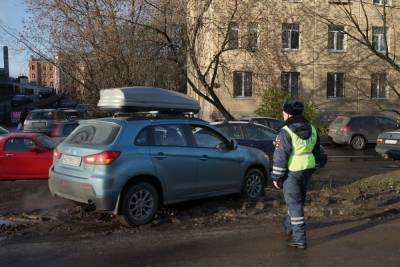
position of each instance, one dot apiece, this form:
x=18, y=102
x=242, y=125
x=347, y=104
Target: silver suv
x=133, y=165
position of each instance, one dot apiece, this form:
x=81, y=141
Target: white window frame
x=235, y=28
x=243, y=85
x=382, y=2
x=335, y=89
x=335, y=39
x=257, y=31
x=290, y=37
x=290, y=75
x=381, y=83
x=381, y=39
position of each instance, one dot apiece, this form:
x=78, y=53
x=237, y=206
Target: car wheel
x=358, y=142
x=139, y=205
x=253, y=184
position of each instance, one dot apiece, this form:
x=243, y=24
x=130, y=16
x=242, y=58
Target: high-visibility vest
x=301, y=157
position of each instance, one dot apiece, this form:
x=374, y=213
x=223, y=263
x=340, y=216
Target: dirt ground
x=28, y=211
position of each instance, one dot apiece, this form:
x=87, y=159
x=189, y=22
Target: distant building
x=42, y=72
x=6, y=87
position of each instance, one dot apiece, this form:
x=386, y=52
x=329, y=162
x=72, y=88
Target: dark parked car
x=388, y=145
x=358, y=131
x=62, y=130
x=273, y=123
x=255, y=135
x=20, y=100
x=249, y=134
x=43, y=120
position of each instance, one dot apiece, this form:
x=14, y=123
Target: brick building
x=42, y=72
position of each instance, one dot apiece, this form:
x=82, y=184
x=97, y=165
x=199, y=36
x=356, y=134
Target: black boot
x=297, y=244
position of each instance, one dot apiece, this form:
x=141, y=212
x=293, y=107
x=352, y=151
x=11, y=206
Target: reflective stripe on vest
x=301, y=157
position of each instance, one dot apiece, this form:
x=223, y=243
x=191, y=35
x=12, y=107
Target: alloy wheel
x=141, y=205
x=254, y=185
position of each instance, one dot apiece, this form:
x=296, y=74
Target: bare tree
x=373, y=27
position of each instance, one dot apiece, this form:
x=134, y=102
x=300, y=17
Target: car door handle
x=160, y=156
x=204, y=158
x=9, y=155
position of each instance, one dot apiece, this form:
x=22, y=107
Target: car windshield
x=46, y=141
x=93, y=134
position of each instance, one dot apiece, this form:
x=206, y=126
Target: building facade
x=41, y=72
x=304, y=48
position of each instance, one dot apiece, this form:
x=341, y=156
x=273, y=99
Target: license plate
x=391, y=142
x=38, y=124
x=71, y=160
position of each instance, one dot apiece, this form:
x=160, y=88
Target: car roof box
x=146, y=99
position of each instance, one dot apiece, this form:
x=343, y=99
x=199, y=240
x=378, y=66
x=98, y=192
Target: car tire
x=358, y=142
x=253, y=185
x=139, y=204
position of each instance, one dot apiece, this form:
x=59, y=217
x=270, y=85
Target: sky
x=12, y=14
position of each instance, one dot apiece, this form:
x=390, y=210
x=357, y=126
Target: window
x=233, y=35
x=252, y=36
x=207, y=138
x=381, y=2
x=233, y=131
x=19, y=144
x=142, y=138
x=257, y=133
x=242, y=84
x=51, y=84
x=335, y=85
x=46, y=141
x=386, y=123
x=378, y=85
x=290, y=83
x=169, y=135
x=41, y=115
x=290, y=35
x=33, y=76
x=33, y=67
x=335, y=38
x=94, y=135
x=378, y=39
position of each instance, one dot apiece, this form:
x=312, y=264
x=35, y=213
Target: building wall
x=42, y=73
x=313, y=60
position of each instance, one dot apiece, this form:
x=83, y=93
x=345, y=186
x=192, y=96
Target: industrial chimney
x=5, y=57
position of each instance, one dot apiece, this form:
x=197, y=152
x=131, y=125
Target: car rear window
x=94, y=134
x=340, y=120
x=41, y=115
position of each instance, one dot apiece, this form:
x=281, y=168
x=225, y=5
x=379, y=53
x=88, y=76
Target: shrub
x=271, y=106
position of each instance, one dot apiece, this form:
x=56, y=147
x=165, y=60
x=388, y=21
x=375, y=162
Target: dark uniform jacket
x=283, y=146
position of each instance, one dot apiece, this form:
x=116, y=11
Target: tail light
x=345, y=129
x=379, y=141
x=56, y=153
x=103, y=158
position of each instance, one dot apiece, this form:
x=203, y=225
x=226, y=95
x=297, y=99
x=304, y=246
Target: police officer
x=297, y=151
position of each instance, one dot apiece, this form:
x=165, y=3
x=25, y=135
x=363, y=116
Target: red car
x=25, y=156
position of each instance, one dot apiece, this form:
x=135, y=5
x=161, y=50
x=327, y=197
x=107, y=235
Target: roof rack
x=153, y=115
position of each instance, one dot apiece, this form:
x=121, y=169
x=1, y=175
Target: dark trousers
x=294, y=191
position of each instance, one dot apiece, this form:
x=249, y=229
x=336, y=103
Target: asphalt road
x=366, y=242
